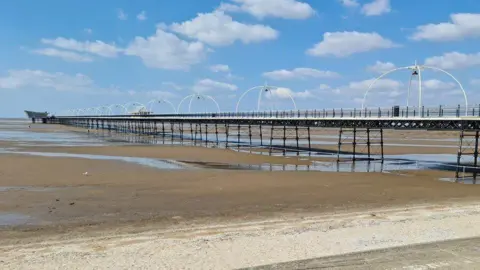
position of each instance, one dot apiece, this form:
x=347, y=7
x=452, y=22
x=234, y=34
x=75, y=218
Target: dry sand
x=236, y=245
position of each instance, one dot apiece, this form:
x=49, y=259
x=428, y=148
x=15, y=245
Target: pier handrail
x=391, y=112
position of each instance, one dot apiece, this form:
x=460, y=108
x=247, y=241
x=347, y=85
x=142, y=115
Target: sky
x=58, y=55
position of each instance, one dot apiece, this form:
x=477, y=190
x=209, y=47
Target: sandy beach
x=198, y=209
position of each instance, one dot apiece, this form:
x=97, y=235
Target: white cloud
x=349, y=3
x=376, y=7
x=475, y=82
x=165, y=50
x=219, y=29
x=230, y=76
x=98, y=47
x=209, y=85
x=381, y=67
x=161, y=94
x=435, y=84
x=462, y=25
x=300, y=73
x=286, y=93
x=454, y=60
x=382, y=84
x=384, y=92
x=286, y=9
x=88, y=31
x=121, y=15
x=17, y=79
x=172, y=85
x=342, y=44
x=324, y=86
x=65, y=55
x=142, y=16
x=220, y=68
x=226, y=70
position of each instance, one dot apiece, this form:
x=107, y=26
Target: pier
x=360, y=131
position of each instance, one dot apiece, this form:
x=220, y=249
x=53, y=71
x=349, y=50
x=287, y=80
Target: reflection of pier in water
x=341, y=161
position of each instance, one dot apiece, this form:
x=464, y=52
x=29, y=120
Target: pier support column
x=364, y=143
x=468, y=149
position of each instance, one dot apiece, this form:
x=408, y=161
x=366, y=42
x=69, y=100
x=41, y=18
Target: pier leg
x=191, y=131
x=297, y=139
x=250, y=134
x=340, y=132
x=261, y=135
x=206, y=134
x=216, y=133
x=238, y=136
x=354, y=142
x=381, y=145
x=468, y=146
x=271, y=139
x=475, y=158
x=368, y=143
x=309, y=143
x=226, y=134
x=180, y=126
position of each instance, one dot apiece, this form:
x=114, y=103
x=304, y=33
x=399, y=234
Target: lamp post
x=416, y=71
x=197, y=96
x=158, y=101
x=263, y=89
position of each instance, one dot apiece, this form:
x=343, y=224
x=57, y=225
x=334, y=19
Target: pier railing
x=392, y=112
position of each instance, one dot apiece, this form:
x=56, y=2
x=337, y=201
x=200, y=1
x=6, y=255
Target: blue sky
x=58, y=55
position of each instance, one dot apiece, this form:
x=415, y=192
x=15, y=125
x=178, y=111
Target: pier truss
x=360, y=132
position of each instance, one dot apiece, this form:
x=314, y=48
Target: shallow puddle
x=150, y=162
x=26, y=188
x=54, y=138
x=14, y=219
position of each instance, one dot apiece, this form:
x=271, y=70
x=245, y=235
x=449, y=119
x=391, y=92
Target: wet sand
x=116, y=193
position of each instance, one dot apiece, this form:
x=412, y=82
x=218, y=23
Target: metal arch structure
x=458, y=82
x=269, y=90
x=262, y=88
x=198, y=96
x=377, y=79
x=133, y=103
x=418, y=69
x=103, y=108
x=160, y=100
x=118, y=106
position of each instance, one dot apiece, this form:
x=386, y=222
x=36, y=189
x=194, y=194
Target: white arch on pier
x=118, y=106
x=160, y=100
x=103, y=109
x=198, y=96
x=418, y=69
x=262, y=88
x=98, y=110
x=134, y=103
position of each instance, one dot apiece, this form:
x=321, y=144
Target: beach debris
x=72, y=203
x=57, y=200
x=85, y=173
x=177, y=217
